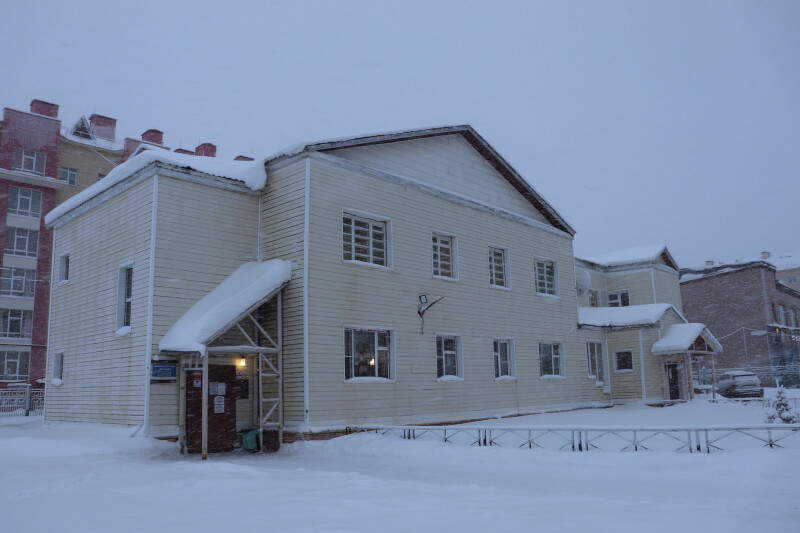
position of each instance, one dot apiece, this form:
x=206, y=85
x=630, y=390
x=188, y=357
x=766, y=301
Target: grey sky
x=673, y=122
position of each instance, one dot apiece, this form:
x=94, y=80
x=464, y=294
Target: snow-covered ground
x=87, y=478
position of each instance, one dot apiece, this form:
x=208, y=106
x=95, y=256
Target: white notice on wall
x=219, y=404
x=212, y=388
x=221, y=388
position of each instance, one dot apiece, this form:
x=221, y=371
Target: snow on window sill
x=56, y=382
x=501, y=287
x=546, y=295
x=121, y=332
x=450, y=378
x=506, y=378
x=366, y=264
x=368, y=379
x=624, y=371
x=551, y=376
x=63, y=282
x=444, y=278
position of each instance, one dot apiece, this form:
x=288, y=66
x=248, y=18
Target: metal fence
x=585, y=439
x=21, y=401
x=764, y=402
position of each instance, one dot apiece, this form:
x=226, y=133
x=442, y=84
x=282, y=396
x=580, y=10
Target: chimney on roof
x=709, y=263
x=40, y=107
x=153, y=136
x=183, y=151
x=103, y=127
x=765, y=255
x=206, y=149
x=243, y=158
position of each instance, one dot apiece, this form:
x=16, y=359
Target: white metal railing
x=21, y=401
x=615, y=439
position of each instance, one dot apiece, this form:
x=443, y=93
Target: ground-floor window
x=14, y=365
x=623, y=361
x=504, y=364
x=594, y=353
x=550, y=359
x=448, y=357
x=367, y=353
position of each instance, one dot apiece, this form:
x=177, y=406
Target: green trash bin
x=250, y=440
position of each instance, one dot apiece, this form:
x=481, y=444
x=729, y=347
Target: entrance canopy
x=682, y=338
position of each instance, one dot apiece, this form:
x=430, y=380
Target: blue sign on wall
x=164, y=370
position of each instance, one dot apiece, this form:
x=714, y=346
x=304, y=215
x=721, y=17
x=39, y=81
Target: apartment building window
x=618, y=299
x=70, y=175
x=792, y=280
x=504, y=361
x=498, y=268
x=28, y=161
x=448, y=357
x=364, y=240
x=17, y=282
x=782, y=315
x=16, y=323
x=124, y=297
x=14, y=366
x=58, y=368
x=623, y=361
x=444, y=256
x=22, y=242
x=546, y=277
x=63, y=268
x=550, y=359
x=594, y=353
x=367, y=353
x=793, y=317
x=24, y=202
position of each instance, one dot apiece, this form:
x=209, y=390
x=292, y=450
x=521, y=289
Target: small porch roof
x=239, y=294
x=680, y=337
x=620, y=317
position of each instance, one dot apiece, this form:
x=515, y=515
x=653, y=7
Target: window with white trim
x=63, y=268
x=792, y=280
x=793, y=317
x=22, y=242
x=70, y=175
x=124, y=297
x=367, y=353
x=444, y=255
x=58, y=368
x=550, y=359
x=618, y=299
x=504, y=361
x=17, y=282
x=28, y=161
x=498, y=267
x=24, y=202
x=16, y=323
x=593, y=298
x=781, y=315
x=546, y=277
x=364, y=240
x=623, y=361
x=594, y=354
x=448, y=357
x=14, y=365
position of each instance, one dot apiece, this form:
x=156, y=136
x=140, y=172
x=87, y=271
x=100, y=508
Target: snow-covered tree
x=781, y=411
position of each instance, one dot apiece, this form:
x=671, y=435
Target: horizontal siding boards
x=103, y=373
x=343, y=294
x=626, y=385
x=638, y=284
x=447, y=162
x=668, y=289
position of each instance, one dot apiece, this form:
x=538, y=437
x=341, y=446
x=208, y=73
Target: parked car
x=740, y=384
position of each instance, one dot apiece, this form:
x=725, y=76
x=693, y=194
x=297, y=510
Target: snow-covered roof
x=251, y=173
x=640, y=254
x=680, y=337
x=97, y=142
x=237, y=295
x=633, y=315
x=785, y=261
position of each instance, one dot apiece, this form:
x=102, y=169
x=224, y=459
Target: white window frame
x=350, y=365
x=506, y=265
x=594, y=297
x=616, y=361
x=12, y=320
x=33, y=198
x=29, y=161
x=511, y=360
x=372, y=220
x=782, y=315
x=14, y=356
x=436, y=255
x=442, y=354
x=68, y=175
x=537, y=261
x=19, y=242
x=791, y=280
x=11, y=276
x=63, y=268
x=555, y=355
x=58, y=368
x=617, y=297
x=793, y=317
x=124, y=299
x=595, y=358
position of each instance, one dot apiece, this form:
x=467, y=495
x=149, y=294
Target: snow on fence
x=21, y=401
x=584, y=439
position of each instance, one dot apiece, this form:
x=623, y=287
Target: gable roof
x=470, y=135
x=640, y=254
x=680, y=337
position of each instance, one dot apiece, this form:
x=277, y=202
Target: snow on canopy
x=251, y=173
x=244, y=289
x=639, y=254
x=680, y=337
x=633, y=315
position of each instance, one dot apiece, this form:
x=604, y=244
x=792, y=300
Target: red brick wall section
x=32, y=132
x=41, y=298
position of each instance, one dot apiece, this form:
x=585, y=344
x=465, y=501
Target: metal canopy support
x=205, y=409
x=270, y=380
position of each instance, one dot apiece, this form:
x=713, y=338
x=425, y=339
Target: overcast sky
x=668, y=122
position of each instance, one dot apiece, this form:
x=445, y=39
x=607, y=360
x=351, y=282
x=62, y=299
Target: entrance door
x=221, y=409
x=673, y=382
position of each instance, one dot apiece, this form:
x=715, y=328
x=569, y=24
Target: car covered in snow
x=740, y=384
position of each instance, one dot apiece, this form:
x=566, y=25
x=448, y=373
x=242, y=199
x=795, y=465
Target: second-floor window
x=70, y=175
x=498, y=275
x=16, y=323
x=364, y=240
x=17, y=282
x=618, y=299
x=23, y=242
x=25, y=202
x=545, y=272
x=444, y=260
x=28, y=161
x=124, y=297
